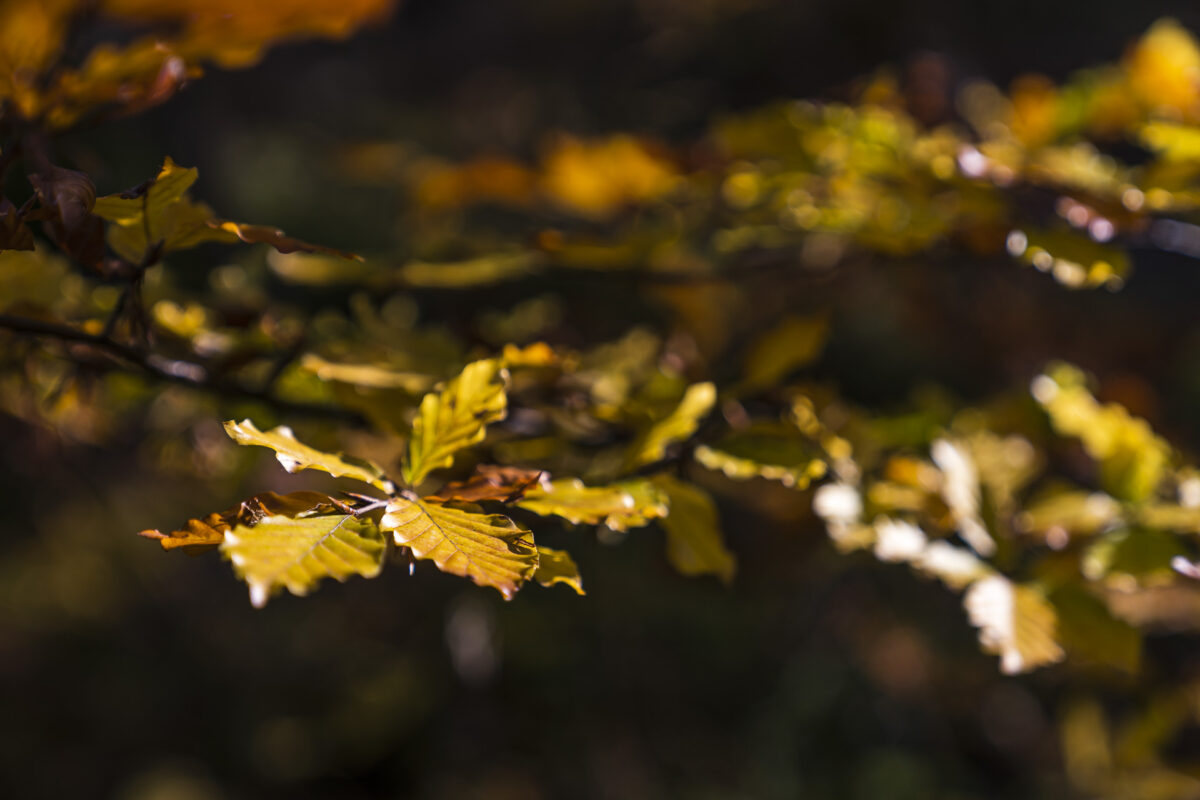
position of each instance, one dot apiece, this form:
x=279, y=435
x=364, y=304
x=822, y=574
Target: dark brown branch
x=171, y=370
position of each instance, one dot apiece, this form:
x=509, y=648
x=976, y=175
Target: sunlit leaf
x=620, y=506
x=1132, y=557
x=1071, y=257
x=295, y=456
x=557, y=566
x=695, y=545
x=1071, y=512
x=296, y=552
x=481, y=271
x=1133, y=460
x=455, y=417
x=678, y=425
x=369, y=375
x=1015, y=622
x=490, y=549
x=256, y=234
x=773, y=451
x=198, y=535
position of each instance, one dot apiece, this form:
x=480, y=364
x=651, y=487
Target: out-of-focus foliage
x=468, y=431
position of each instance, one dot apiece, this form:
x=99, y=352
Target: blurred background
x=127, y=673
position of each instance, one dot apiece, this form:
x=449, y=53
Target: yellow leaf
x=295, y=456
x=198, y=535
x=490, y=549
x=620, y=506
x=455, y=417
x=1015, y=622
x=596, y=179
x=680, y=424
x=368, y=375
x=297, y=552
x=557, y=566
x=1133, y=460
x=694, y=542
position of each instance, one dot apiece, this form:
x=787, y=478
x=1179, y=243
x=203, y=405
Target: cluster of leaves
x=1064, y=522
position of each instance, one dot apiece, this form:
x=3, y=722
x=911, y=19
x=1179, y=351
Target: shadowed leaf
x=491, y=482
x=694, y=542
x=680, y=424
x=766, y=450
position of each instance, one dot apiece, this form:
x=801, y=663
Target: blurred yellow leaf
x=1015, y=622
x=694, y=542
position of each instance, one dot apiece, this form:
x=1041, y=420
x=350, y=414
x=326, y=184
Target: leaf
x=1132, y=558
x=199, y=535
x=482, y=271
x=151, y=199
x=679, y=425
x=491, y=482
x=368, y=375
x=263, y=234
x=295, y=456
x=455, y=418
x=1072, y=258
x=1088, y=630
x=1133, y=460
x=296, y=552
x=694, y=542
x=766, y=450
x=620, y=506
x=490, y=549
x=1071, y=512
x=1015, y=622
x=14, y=233
x=557, y=566
x=792, y=343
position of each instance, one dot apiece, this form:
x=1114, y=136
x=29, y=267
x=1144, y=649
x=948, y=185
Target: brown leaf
x=70, y=195
x=491, y=482
x=199, y=535
x=255, y=234
x=14, y=233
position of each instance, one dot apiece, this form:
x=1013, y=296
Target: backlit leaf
x=198, y=535
x=557, y=566
x=695, y=545
x=1015, y=622
x=620, y=506
x=455, y=417
x=295, y=456
x=792, y=343
x=1133, y=460
x=679, y=425
x=766, y=450
x=490, y=549
x=296, y=552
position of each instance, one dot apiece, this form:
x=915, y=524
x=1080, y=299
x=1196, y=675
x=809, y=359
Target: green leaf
x=1133, y=461
x=481, y=271
x=694, y=542
x=1088, y=630
x=1072, y=258
x=490, y=549
x=557, y=566
x=680, y=424
x=455, y=418
x=792, y=343
x=766, y=450
x=296, y=552
x=1132, y=558
x=1071, y=512
x=620, y=506
x=1015, y=622
x=295, y=456
x=366, y=375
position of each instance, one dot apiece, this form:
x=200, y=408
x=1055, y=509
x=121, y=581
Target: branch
x=170, y=370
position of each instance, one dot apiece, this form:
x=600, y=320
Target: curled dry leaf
x=492, y=482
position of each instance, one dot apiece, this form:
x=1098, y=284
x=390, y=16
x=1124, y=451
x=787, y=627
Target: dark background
x=130, y=674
